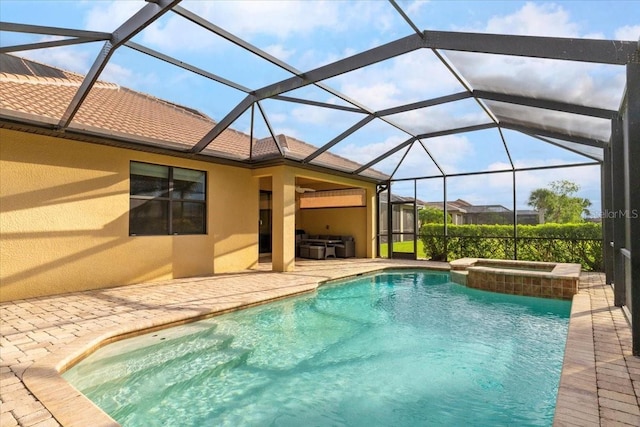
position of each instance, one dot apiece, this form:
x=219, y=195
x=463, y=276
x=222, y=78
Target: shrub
x=575, y=243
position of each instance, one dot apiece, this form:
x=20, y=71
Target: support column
x=372, y=222
x=515, y=217
x=284, y=220
x=606, y=191
x=445, y=229
x=617, y=209
x=632, y=138
x=389, y=222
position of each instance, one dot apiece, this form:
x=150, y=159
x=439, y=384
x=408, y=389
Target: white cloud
x=411, y=77
x=70, y=58
x=581, y=83
x=366, y=153
x=434, y=119
x=306, y=114
x=312, y=58
x=415, y=6
x=376, y=95
x=254, y=21
x=277, y=18
x=280, y=51
x=108, y=16
x=449, y=151
x=628, y=32
x=128, y=77
x=117, y=74
x=535, y=19
x=282, y=20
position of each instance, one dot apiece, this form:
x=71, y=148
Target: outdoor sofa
x=312, y=246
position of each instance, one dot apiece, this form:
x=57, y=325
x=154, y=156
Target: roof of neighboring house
x=527, y=212
x=404, y=199
x=486, y=209
x=32, y=89
x=452, y=207
x=464, y=207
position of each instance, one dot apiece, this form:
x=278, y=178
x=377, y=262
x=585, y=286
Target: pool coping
x=591, y=387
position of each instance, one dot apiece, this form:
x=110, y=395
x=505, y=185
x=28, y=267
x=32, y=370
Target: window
x=350, y=197
x=166, y=200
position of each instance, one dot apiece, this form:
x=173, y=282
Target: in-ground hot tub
x=529, y=278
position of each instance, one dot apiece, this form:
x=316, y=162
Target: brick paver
x=598, y=384
x=40, y=336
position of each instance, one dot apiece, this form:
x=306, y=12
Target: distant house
x=402, y=216
x=463, y=212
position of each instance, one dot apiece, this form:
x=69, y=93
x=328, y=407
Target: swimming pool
x=404, y=348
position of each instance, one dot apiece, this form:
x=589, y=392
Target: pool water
x=404, y=348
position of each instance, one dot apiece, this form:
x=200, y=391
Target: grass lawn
x=402, y=247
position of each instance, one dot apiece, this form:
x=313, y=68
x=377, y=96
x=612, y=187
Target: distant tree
x=559, y=203
x=431, y=215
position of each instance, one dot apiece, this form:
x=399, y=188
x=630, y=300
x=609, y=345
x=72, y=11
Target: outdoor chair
x=347, y=249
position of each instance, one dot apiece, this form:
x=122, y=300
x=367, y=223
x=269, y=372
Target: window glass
x=148, y=217
x=149, y=180
x=188, y=184
x=188, y=217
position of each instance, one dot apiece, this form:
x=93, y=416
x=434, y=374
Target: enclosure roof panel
x=408, y=84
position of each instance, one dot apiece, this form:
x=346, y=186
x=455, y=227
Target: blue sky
x=307, y=34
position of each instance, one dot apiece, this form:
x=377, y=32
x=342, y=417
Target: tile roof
x=43, y=92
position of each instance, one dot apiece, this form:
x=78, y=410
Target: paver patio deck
x=600, y=383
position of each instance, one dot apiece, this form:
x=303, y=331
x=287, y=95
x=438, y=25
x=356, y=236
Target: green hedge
x=574, y=243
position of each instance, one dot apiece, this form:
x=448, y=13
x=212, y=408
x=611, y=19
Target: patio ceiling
x=474, y=102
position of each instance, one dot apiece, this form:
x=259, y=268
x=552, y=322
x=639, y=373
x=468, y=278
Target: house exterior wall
x=64, y=219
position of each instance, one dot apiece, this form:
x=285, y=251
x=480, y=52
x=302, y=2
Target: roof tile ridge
x=183, y=109
x=283, y=140
x=317, y=148
x=230, y=129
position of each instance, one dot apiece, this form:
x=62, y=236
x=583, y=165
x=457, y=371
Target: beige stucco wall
x=64, y=219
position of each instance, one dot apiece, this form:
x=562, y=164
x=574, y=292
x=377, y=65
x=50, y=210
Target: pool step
x=146, y=389
x=115, y=369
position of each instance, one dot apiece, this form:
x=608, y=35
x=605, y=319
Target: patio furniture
x=304, y=251
x=300, y=237
x=346, y=249
x=317, y=252
x=333, y=246
x=329, y=251
x=327, y=243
